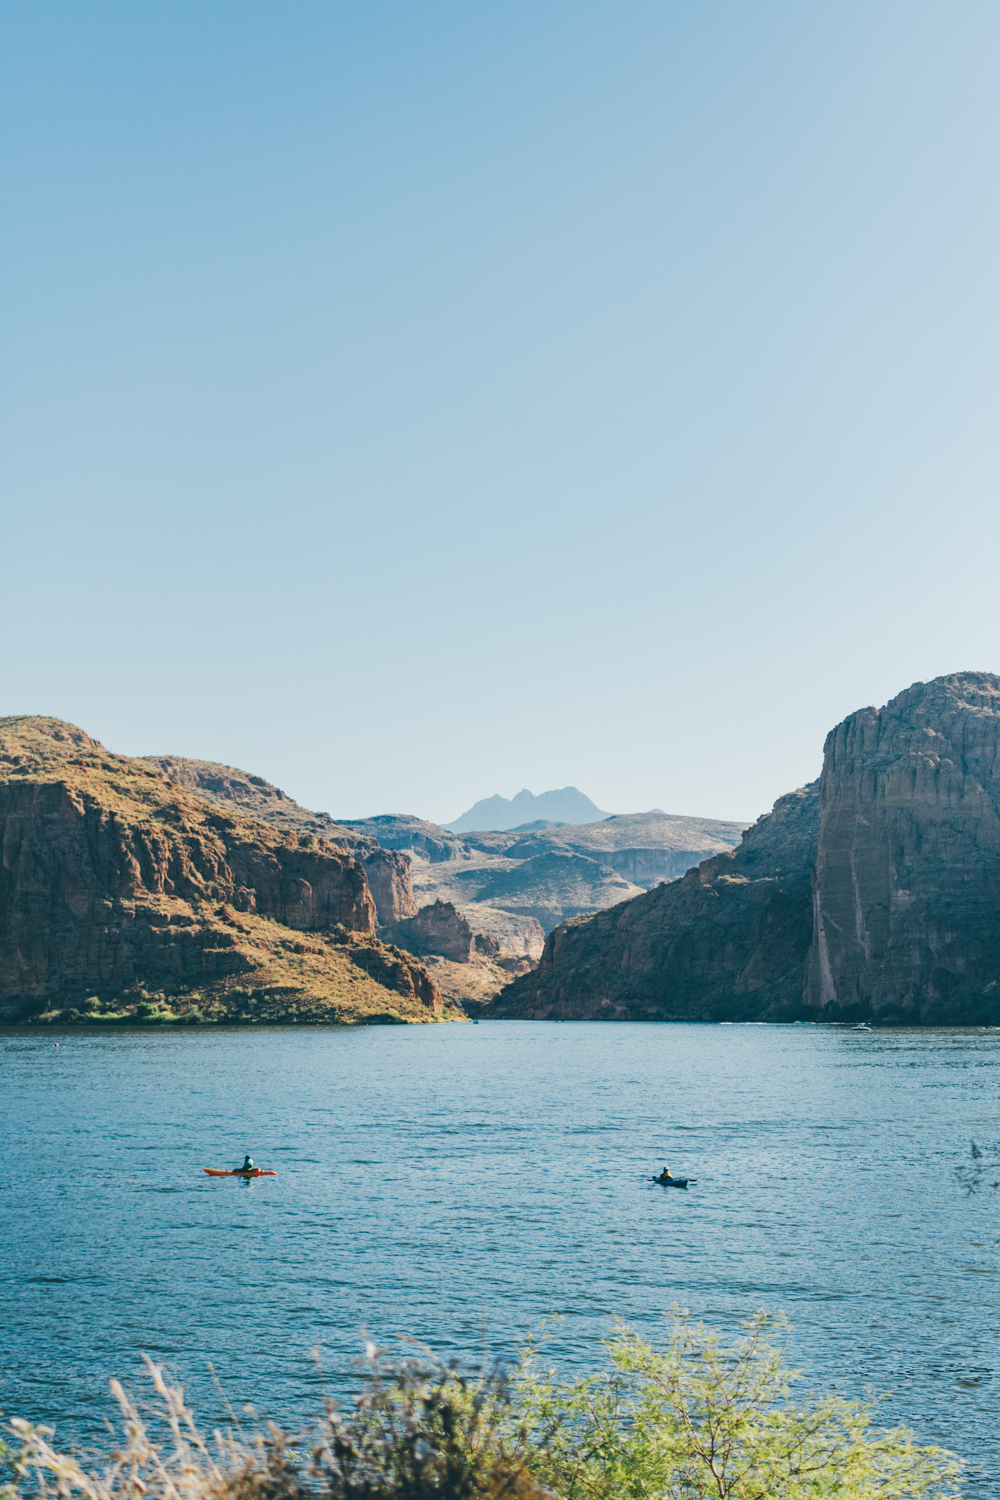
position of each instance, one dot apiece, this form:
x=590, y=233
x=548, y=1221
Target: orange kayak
x=257, y=1172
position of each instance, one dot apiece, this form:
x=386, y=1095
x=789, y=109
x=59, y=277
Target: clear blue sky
x=415, y=401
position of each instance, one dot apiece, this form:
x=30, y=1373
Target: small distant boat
x=861, y=1026
x=673, y=1181
x=256, y=1172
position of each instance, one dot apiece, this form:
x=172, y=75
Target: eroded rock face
x=907, y=885
x=874, y=893
x=111, y=877
x=390, y=879
x=518, y=937
x=438, y=928
x=402, y=831
x=389, y=873
x=65, y=857
x=728, y=941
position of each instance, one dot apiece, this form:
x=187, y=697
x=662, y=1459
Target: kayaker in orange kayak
x=247, y=1164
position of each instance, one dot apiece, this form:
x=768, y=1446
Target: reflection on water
x=458, y=1183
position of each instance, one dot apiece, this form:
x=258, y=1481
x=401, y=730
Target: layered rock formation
x=441, y=930
x=522, y=937
x=553, y=885
x=416, y=835
x=388, y=872
x=116, y=883
x=642, y=848
x=874, y=894
x=906, y=918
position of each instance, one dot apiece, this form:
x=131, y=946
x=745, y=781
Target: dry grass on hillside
x=288, y=976
x=149, y=866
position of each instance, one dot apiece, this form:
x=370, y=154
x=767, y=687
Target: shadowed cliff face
x=907, y=884
x=112, y=877
x=728, y=941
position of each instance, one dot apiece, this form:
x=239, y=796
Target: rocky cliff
x=440, y=929
x=388, y=872
x=116, y=883
x=872, y=894
x=434, y=932
x=906, y=916
x=402, y=831
x=727, y=941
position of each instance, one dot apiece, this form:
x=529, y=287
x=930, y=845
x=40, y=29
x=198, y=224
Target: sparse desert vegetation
x=687, y=1420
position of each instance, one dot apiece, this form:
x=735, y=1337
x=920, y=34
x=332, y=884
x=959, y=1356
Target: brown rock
x=390, y=879
x=874, y=893
x=389, y=874
x=439, y=929
x=907, y=883
x=113, y=878
x=728, y=941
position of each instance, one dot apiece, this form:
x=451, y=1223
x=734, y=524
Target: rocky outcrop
x=727, y=941
x=237, y=791
x=439, y=929
x=518, y=937
x=390, y=879
x=114, y=878
x=906, y=920
x=389, y=874
x=401, y=831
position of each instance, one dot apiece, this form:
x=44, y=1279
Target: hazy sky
x=414, y=401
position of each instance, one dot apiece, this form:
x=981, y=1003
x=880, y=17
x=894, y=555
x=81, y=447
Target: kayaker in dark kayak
x=665, y=1176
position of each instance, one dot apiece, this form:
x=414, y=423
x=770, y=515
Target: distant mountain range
x=501, y=814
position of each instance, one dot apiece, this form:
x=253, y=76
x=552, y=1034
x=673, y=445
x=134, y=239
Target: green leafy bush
x=696, y=1420
x=691, y=1421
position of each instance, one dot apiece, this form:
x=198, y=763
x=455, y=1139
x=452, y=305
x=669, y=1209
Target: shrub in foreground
x=691, y=1421
x=696, y=1420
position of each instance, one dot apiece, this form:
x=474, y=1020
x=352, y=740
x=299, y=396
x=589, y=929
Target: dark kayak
x=674, y=1181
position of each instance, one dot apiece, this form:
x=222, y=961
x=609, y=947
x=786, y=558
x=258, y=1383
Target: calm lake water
x=459, y=1183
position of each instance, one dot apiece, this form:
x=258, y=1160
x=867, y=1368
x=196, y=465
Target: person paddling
x=247, y=1164
x=665, y=1175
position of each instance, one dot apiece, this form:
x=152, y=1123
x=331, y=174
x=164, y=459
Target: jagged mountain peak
x=565, y=805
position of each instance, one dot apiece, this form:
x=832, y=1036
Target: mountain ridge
x=496, y=813
x=870, y=894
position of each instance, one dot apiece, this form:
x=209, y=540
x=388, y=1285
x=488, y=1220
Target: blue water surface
x=459, y=1183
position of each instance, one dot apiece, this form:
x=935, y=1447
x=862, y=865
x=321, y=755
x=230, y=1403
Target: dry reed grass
x=423, y=1434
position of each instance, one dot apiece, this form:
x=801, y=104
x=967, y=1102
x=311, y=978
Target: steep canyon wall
x=874, y=893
